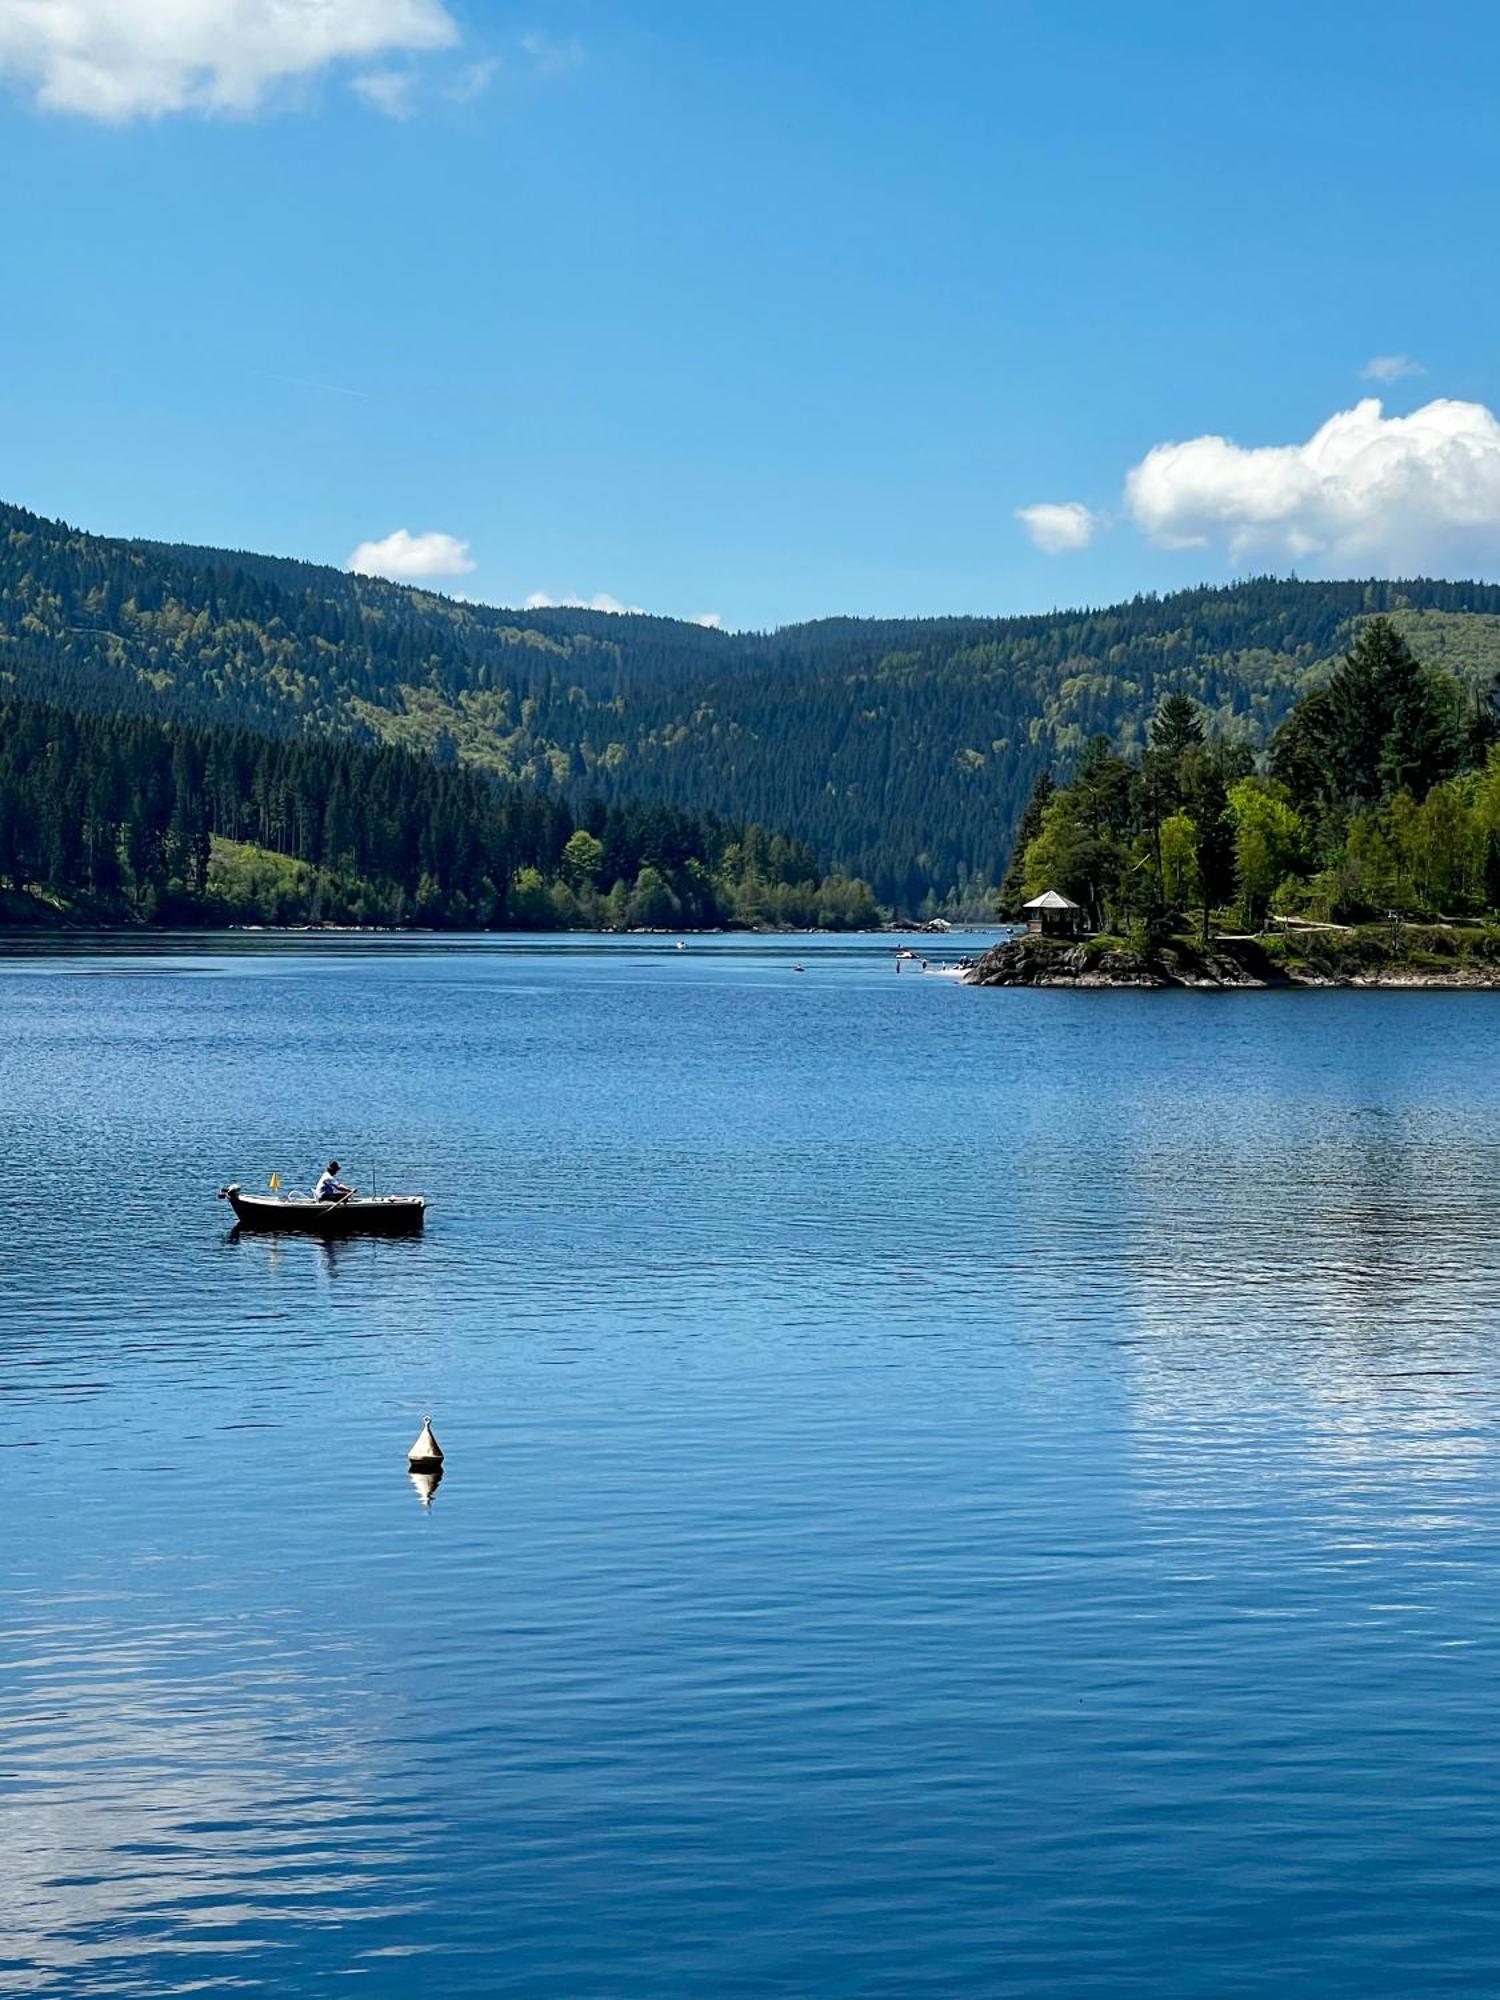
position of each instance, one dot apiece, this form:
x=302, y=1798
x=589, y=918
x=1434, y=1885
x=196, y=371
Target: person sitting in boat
x=330, y=1187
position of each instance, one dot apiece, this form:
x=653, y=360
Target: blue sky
x=759, y=312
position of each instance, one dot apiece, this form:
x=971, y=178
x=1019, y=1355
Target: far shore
x=74, y=924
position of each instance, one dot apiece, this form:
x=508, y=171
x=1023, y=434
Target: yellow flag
x=275, y=1182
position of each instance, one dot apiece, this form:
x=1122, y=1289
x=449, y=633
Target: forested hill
x=901, y=750
x=127, y=819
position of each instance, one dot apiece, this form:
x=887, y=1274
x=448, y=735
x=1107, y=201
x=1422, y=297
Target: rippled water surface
x=948, y=1492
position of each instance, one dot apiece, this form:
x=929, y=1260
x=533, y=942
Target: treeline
x=1379, y=796
x=902, y=750
x=124, y=816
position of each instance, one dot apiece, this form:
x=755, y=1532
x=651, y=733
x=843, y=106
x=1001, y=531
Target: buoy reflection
x=426, y=1483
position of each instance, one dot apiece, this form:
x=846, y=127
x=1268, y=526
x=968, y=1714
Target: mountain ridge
x=902, y=750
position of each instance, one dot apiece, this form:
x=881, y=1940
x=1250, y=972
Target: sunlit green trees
x=582, y=859
x=1270, y=843
x=1382, y=795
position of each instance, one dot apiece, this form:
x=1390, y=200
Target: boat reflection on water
x=426, y=1483
x=330, y=1250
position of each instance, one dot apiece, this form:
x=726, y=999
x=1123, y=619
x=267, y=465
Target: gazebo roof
x=1050, y=899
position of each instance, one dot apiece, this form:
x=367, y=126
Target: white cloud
x=122, y=59
x=551, y=58
x=474, y=80
x=404, y=557
x=1365, y=492
x=1390, y=367
x=711, y=619
x=1058, y=526
x=388, y=91
x=600, y=601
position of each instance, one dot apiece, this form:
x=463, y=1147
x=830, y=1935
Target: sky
x=759, y=312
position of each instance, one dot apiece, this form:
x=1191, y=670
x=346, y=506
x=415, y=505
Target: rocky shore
x=1356, y=958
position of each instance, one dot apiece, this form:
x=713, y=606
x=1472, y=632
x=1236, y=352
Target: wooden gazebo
x=1054, y=915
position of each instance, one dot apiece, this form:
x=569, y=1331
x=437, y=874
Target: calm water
x=949, y=1492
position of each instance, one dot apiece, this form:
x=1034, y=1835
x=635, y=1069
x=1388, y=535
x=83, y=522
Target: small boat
x=364, y=1215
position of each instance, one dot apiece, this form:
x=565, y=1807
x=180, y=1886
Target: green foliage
x=1181, y=886
x=582, y=859
x=1383, y=724
x=1383, y=802
x=121, y=816
x=1141, y=843
x=1176, y=727
x=1270, y=843
x=1013, y=889
x=1070, y=856
x=1396, y=772
x=904, y=751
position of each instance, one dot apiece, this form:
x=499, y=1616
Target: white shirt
x=327, y=1189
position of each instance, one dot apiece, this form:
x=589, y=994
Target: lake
x=948, y=1491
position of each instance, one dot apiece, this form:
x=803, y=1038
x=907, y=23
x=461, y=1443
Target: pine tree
x=1012, y=894
x=1177, y=726
x=1386, y=726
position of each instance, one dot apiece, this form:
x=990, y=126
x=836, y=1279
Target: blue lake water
x=948, y=1492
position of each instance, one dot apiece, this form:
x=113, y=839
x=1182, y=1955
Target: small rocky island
x=1353, y=956
x=1358, y=846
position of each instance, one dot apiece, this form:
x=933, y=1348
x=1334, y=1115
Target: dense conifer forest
x=124, y=817
x=902, y=751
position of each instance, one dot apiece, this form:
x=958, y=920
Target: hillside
x=901, y=750
x=124, y=819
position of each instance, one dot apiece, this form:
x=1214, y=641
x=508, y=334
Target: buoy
x=426, y=1455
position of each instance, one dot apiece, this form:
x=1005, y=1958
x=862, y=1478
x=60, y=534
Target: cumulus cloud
x=1390, y=367
x=406, y=558
x=1058, y=526
x=600, y=601
x=1365, y=492
x=710, y=619
x=123, y=59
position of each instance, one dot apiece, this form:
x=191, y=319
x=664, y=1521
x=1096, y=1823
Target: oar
x=330, y=1206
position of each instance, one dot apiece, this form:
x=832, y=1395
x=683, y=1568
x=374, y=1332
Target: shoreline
x=1367, y=962
x=124, y=927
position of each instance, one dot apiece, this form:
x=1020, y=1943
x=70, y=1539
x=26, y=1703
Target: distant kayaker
x=330, y=1187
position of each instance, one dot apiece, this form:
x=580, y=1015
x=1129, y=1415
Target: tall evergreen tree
x=1176, y=727
x=1012, y=891
x=1384, y=724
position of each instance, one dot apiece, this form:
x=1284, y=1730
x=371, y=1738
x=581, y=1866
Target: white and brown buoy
x=426, y=1455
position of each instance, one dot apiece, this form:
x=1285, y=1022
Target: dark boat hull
x=387, y=1215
